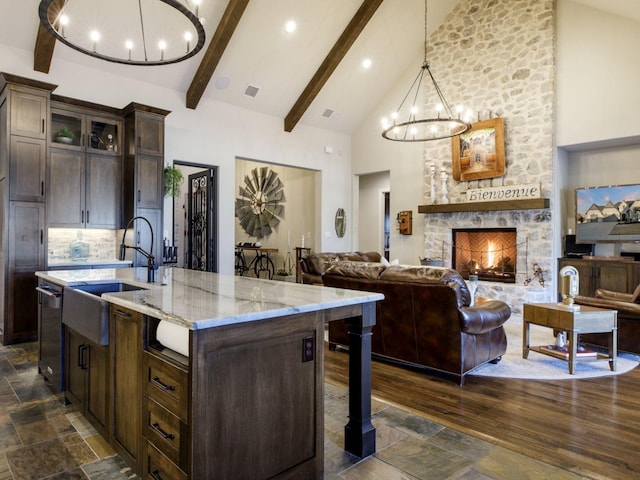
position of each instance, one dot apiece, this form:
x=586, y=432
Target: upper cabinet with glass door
x=77, y=130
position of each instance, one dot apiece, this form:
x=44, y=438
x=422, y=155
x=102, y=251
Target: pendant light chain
x=144, y=38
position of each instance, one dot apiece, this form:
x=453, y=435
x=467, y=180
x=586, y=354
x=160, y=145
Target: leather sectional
x=425, y=319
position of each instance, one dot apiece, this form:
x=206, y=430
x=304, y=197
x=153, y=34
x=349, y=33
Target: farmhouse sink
x=87, y=313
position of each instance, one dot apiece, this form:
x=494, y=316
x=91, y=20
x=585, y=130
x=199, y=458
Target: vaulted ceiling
x=312, y=76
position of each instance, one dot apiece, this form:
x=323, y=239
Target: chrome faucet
x=151, y=261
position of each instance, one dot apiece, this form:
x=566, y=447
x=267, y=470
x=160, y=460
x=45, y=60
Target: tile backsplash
x=102, y=244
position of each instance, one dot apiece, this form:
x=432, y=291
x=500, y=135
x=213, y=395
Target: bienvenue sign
x=510, y=192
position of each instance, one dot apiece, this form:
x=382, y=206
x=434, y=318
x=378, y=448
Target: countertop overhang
x=199, y=300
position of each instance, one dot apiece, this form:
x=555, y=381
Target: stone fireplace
x=490, y=253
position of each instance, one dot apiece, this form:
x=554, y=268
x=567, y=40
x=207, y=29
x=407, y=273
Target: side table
x=574, y=321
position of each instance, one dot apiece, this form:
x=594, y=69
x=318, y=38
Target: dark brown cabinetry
x=87, y=379
x=125, y=342
x=84, y=171
x=24, y=106
x=143, y=175
x=178, y=418
x=166, y=426
x=618, y=275
x=28, y=164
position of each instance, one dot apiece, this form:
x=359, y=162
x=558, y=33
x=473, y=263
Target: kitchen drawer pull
x=163, y=386
x=48, y=292
x=156, y=475
x=165, y=435
x=122, y=313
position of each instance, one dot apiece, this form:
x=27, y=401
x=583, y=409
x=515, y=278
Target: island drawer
x=166, y=384
x=159, y=467
x=167, y=432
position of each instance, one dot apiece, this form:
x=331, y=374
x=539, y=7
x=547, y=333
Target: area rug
x=544, y=367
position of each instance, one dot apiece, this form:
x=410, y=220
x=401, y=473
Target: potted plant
x=284, y=275
x=65, y=135
x=172, y=180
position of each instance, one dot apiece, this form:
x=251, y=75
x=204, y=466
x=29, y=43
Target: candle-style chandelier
x=142, y=32
x=415, y=129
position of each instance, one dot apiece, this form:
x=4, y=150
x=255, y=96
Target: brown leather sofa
x=425, y=319
x=628, y=307
x=313, y=266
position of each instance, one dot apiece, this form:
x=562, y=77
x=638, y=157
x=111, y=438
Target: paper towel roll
x=175, y=337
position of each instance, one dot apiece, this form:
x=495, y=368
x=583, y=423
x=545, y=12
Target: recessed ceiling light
x=222, y=82
x=290, y=26
x=366, y=63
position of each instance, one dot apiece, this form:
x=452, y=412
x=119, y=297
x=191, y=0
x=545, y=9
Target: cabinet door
x=97, y=387
x=27, y=169
x=103, y=191
x=65, y=191
x=26, y=256
x=143, y=235
x=149, y=134
x=615, y=276
x=28, y=114
x=149, y=173
x=126, y=354
x=74, y=361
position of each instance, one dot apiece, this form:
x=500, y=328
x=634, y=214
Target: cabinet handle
x=82, y=362
x=122, y=313
x=162, y=385
x=165, y=435
x=83, y=139
x=41, y=237
x=42, y=189
x=43, y=125
x=155, y=475
x=138, y=196
x=82, y=217
x=88, y=216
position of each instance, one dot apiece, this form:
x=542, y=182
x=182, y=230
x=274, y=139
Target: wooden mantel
x=528, y=204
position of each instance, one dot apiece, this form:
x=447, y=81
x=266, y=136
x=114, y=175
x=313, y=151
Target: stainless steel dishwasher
x=50, y=336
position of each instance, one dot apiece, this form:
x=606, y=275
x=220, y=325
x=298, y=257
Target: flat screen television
x=608, y=214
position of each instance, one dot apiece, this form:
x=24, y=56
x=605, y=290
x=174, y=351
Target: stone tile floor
x=40, y=438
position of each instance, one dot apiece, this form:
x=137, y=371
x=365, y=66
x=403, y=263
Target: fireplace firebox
x=490, y=253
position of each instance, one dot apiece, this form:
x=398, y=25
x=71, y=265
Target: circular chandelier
x=444, y=124
x=146, y=32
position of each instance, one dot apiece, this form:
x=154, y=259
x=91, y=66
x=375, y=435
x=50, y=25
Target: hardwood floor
x=590, y=427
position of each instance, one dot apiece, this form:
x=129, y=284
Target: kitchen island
x=246, y=401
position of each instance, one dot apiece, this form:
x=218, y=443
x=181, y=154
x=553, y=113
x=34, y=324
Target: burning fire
x=491, y=253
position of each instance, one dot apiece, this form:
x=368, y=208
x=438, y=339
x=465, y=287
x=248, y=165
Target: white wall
x=598, y=68
x=403, y=161
x=371, y=218
x=597, y=101
x=213, y=134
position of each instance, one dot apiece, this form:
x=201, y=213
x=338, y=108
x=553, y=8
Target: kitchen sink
x=87, y=313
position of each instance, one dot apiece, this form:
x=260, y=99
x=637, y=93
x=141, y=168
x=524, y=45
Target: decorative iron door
x=200, y=222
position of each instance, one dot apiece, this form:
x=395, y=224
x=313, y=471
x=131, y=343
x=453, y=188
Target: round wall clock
x=259, y=204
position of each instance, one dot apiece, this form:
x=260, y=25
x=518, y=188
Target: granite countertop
x=199, y=300
x=88, y=263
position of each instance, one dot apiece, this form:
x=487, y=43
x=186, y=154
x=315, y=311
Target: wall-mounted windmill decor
x=259, y=204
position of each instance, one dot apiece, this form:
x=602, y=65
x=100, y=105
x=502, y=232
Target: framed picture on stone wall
x=479, y=152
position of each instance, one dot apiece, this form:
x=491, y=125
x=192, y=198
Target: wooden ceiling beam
x=331, y=62
x=226, y=27
x=45, y=42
